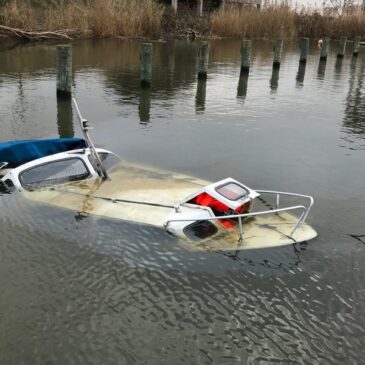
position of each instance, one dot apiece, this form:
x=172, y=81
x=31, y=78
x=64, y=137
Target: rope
x=114, y=200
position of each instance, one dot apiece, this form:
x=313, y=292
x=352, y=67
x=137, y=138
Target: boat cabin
x=30, y=165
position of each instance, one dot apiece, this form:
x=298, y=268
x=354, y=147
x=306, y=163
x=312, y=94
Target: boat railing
x=304, y=209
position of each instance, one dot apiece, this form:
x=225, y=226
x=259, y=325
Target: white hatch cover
x=231, y=192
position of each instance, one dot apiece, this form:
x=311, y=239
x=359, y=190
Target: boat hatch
x=225, y=197
x=200, y=230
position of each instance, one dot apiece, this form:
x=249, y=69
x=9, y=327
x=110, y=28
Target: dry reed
x=281, y=20
x=272, y=21
x=147, y=18
x=100, y=18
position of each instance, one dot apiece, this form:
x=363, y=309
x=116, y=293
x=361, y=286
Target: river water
x=81, y=290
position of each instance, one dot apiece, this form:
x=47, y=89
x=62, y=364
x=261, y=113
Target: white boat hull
x=162, y=191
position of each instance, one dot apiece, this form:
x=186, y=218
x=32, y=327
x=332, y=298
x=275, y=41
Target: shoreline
x=146, y=19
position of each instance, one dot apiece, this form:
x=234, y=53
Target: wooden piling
x=203, y=60
x=324, y=49
x=64, y=71
x=174, y=5
x=342, y=47
x=245, y=56
x=278, y=50
x=145, y=55
x=304, y=49
x=356, y=46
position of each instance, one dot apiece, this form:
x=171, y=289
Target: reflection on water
x=354, y=114
x=301, y=73
x=65, y=118
x=104, y=291
x=144, y=105
x=274, y=81
x=201, y=92
x=321, y=69
x=242, y=86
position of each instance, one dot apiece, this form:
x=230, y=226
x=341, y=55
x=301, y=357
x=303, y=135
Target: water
x=77, y=290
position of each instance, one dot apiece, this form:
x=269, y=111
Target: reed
x=274, y=21
x=100, y=18
x=148, y=18
x=315, y=25
x=281, y=20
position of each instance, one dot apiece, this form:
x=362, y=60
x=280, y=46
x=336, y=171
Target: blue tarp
x=17, y=153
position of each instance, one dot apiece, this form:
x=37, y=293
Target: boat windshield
x=54, y=172
x=109, y=160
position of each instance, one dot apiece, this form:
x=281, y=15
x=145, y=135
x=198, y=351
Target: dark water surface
x=79, y=290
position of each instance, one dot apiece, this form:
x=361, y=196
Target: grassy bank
x=284, y=22
x=96, y=18
x=148, y=18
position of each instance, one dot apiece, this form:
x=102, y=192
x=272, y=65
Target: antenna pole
x=85, y=127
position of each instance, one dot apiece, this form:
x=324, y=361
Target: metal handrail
x=278, y=193
x=301, y=219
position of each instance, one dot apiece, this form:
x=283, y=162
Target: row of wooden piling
x=64, y=60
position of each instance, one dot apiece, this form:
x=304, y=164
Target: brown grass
x=272, y=21
x=281, y=20
x=315, y=25
x=147, y=18
x=103, y=18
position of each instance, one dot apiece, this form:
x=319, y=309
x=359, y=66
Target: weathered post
x=304, y=49
x=64, y=71
x=200, y=7
x=356, y=46
x=203, y=60
x=342, y=47
x=145, y=56
x=278, y=50
x=324, y=49
x=245, y=56
x=174, y=5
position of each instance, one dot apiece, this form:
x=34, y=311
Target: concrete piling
x=342, y=47
x=304, y=49
x=356, y=46
x=324, y=49
x=146, y=53
x=278, y=50
x=245, y=56
x=203, y=60
x=64, y=71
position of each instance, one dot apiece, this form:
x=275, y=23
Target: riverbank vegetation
x=153, y=19
x=93, y=18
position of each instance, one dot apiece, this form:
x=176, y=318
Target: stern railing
x=305, y=209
